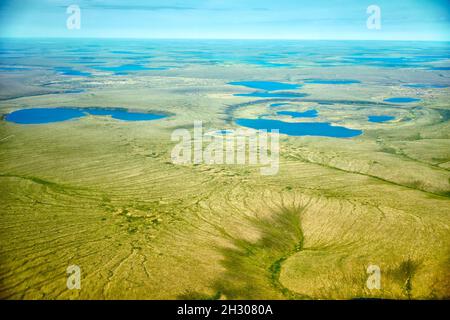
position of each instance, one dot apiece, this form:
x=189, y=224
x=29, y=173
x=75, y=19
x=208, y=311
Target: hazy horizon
x=404, y=20
x=216, y=39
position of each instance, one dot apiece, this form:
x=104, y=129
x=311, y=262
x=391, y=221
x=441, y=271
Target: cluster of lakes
x=324, y=129
x=120, y=70
x=265, y=89
x=271, y=89
x=321, y=129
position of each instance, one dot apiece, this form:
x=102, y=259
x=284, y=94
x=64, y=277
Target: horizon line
x=225, y=39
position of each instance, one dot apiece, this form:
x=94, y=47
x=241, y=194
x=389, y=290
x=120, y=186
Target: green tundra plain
x=104, y=194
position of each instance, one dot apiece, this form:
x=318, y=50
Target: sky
x=228, y=19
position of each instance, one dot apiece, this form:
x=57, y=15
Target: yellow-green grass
x=104, y=195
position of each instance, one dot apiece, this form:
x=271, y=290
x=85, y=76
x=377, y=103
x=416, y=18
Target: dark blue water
x=43, y=115
x=331, y=81
x=402, y=100
x=67, y=71
x=266, y=85
x=426, y=86
x=322, y=129
x=123, y=114
x=380, y=118
x=49, y=115
x=293, y=114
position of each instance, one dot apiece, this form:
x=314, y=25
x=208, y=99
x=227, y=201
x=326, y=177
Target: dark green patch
x=404, y=273
x=253, y=268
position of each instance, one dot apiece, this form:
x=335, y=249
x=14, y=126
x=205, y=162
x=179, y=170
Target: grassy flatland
x=104, y=195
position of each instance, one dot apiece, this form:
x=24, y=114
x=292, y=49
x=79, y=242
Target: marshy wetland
x=363, y=176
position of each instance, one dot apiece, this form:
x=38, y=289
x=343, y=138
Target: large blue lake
x=49, y=115
x=322, y=129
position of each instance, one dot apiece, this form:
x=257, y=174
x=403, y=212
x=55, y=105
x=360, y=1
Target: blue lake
x=402, y=100
x=269, y=87
x=322, y=129
x=266, y=85
x=259, y=94
x=274, y=105
x=331, y=81
x=67, y=71
x=380, y=118
x=49, y=115
x=293, y=114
